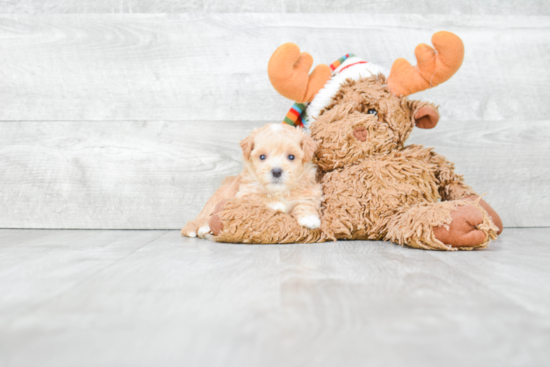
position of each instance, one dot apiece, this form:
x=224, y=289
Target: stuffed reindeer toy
x=375, y=187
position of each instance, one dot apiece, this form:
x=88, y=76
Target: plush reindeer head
x=366, y=114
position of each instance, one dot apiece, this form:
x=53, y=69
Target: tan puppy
x=277, y=171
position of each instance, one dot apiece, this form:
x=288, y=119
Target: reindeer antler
x=288, y=72
x=433, y=66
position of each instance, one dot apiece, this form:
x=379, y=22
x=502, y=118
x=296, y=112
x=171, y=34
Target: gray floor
x=143, y=298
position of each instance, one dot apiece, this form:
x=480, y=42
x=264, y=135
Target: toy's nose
x=276, y=172
x=360, y=133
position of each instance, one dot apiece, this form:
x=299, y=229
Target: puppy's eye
x=262, y=157
x=372, y=111
x=291, y=157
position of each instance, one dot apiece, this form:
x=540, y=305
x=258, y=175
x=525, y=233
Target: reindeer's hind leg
x=453, y=187
x=447, y=225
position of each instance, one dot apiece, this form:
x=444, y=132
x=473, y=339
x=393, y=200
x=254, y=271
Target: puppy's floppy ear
x=247, y=145
x=308, y=147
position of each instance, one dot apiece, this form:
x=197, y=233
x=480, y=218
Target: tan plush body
x=374, y=186
x=278, y=175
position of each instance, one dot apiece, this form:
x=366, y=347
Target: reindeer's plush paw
x=215, y=222
x=463, y=230
x=310, y=222
x=492, y=213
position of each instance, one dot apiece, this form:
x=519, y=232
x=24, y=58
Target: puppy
x=277, y=172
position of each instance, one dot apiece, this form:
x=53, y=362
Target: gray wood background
x=127, y=114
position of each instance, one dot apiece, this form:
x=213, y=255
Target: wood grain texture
x=113, y=174
x=38, y=266
x=159, y=174
x=187, y=302
x=489, y=7
x=198, y=67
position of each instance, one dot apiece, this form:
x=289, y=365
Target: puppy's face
x=277, y=154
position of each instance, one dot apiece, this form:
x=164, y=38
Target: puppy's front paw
x=278, y=206
x=310, y=221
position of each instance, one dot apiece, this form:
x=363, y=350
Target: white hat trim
x=353, y=68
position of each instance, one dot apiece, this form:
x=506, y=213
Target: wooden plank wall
x=127, y=114
x=458, y=7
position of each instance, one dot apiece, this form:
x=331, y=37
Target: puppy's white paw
x=278, y=206
x=204, y=231
x=191, y=234
x=310, y=221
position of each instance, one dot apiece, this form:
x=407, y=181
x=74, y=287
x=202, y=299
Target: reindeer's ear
x=247, y=145
x=425, y=114
x=308, y=147
x=426, y=117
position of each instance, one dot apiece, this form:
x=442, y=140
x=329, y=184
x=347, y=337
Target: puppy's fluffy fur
x=278, y=172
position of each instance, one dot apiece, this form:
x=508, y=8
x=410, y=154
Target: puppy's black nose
x=276, y=172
